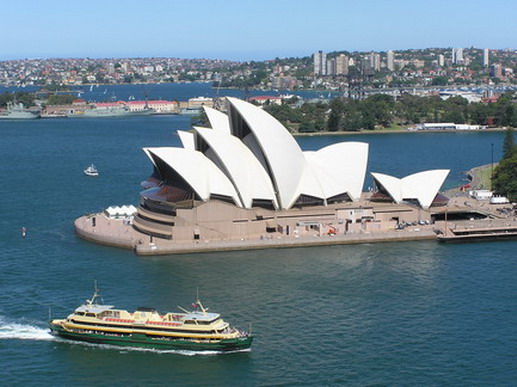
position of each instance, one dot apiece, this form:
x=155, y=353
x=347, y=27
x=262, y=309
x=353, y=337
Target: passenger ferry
x=196, y=330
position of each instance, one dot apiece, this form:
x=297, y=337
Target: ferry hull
x=144, y=341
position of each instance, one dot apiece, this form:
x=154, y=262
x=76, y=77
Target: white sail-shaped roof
x=198, y=171
x=311, y=182
x=218, y=120
x=187, y=139
x=241, y=166
x=340, y=168
x=284, y=159
x=391, y=184
x=421, y=186
x=249, y=156
x=424, y=186
x=146, y=151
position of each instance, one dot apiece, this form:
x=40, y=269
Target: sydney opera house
x=246, y=178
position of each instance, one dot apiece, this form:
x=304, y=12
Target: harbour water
x=416, y=313
x=168, y=91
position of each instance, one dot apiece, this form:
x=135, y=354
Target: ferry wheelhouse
x=197, y=330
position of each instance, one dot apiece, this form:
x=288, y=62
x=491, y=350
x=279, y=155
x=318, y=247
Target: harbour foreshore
x=118, y=233
x=492, y=221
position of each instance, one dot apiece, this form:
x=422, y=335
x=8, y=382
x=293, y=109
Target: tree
x=508, y=144
x=336, y=114
x=60, y=99
x=440, y=81
x=26, y=98
x=455, y=116
x=378, y=110
x=505, y=177
x=479, y=113
x=334, y=121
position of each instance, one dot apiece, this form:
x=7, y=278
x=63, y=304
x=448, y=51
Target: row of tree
x=505, y=174
x=383, y=111
x=26, y=98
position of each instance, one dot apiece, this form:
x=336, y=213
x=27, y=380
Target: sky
x=248, y=30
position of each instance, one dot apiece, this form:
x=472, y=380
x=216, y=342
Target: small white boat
x=91, y=171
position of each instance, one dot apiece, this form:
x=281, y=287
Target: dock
x=480, y=234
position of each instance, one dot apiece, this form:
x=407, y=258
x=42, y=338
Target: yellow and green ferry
x=196, y=330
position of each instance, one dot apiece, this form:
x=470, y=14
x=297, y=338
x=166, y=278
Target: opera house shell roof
x=422, y=187
x=249, y=158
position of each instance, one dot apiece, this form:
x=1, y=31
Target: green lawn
x=485, y=175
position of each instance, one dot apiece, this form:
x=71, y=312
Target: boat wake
x=22, y=331
x=151, y=350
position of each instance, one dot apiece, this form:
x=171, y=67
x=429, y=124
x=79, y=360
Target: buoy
x=24, y=232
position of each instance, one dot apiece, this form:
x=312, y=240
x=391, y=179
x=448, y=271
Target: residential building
x=320, y=63
x=441, y=60
x=486, y=57
x=331, y=66
x=457, y=56
x=342, y=65
x=375, y=61
x=496, y=71
x=391, y=60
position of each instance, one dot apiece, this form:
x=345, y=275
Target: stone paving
x=120, y=233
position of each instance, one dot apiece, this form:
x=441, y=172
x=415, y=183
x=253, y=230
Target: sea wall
x=381, y=237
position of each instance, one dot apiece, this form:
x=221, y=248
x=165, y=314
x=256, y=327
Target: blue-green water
x=416, y=313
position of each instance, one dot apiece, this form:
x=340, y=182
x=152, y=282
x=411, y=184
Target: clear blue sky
x=245, y=30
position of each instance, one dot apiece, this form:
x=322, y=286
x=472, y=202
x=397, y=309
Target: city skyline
x=235, y=31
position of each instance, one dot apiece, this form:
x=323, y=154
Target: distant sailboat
x=91, y=87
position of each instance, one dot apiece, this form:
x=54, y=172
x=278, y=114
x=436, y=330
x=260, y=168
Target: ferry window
x=80, y=313
x=90, y=314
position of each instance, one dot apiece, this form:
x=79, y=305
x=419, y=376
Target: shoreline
x=100, y=229
x=122, y=235
x=394, y=131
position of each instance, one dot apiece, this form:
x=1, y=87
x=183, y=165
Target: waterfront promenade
x=98, y=228
x=119, y=233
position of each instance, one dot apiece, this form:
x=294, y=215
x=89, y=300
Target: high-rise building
x=390, y=63
x=342, y=65
x=375, y=61
x=441, y=60
x=320, y=63
x=486, y=57
x=457, y=55
x=331, y=66
x=496, y=71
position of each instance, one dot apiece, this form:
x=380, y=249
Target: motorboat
x=91, y=171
